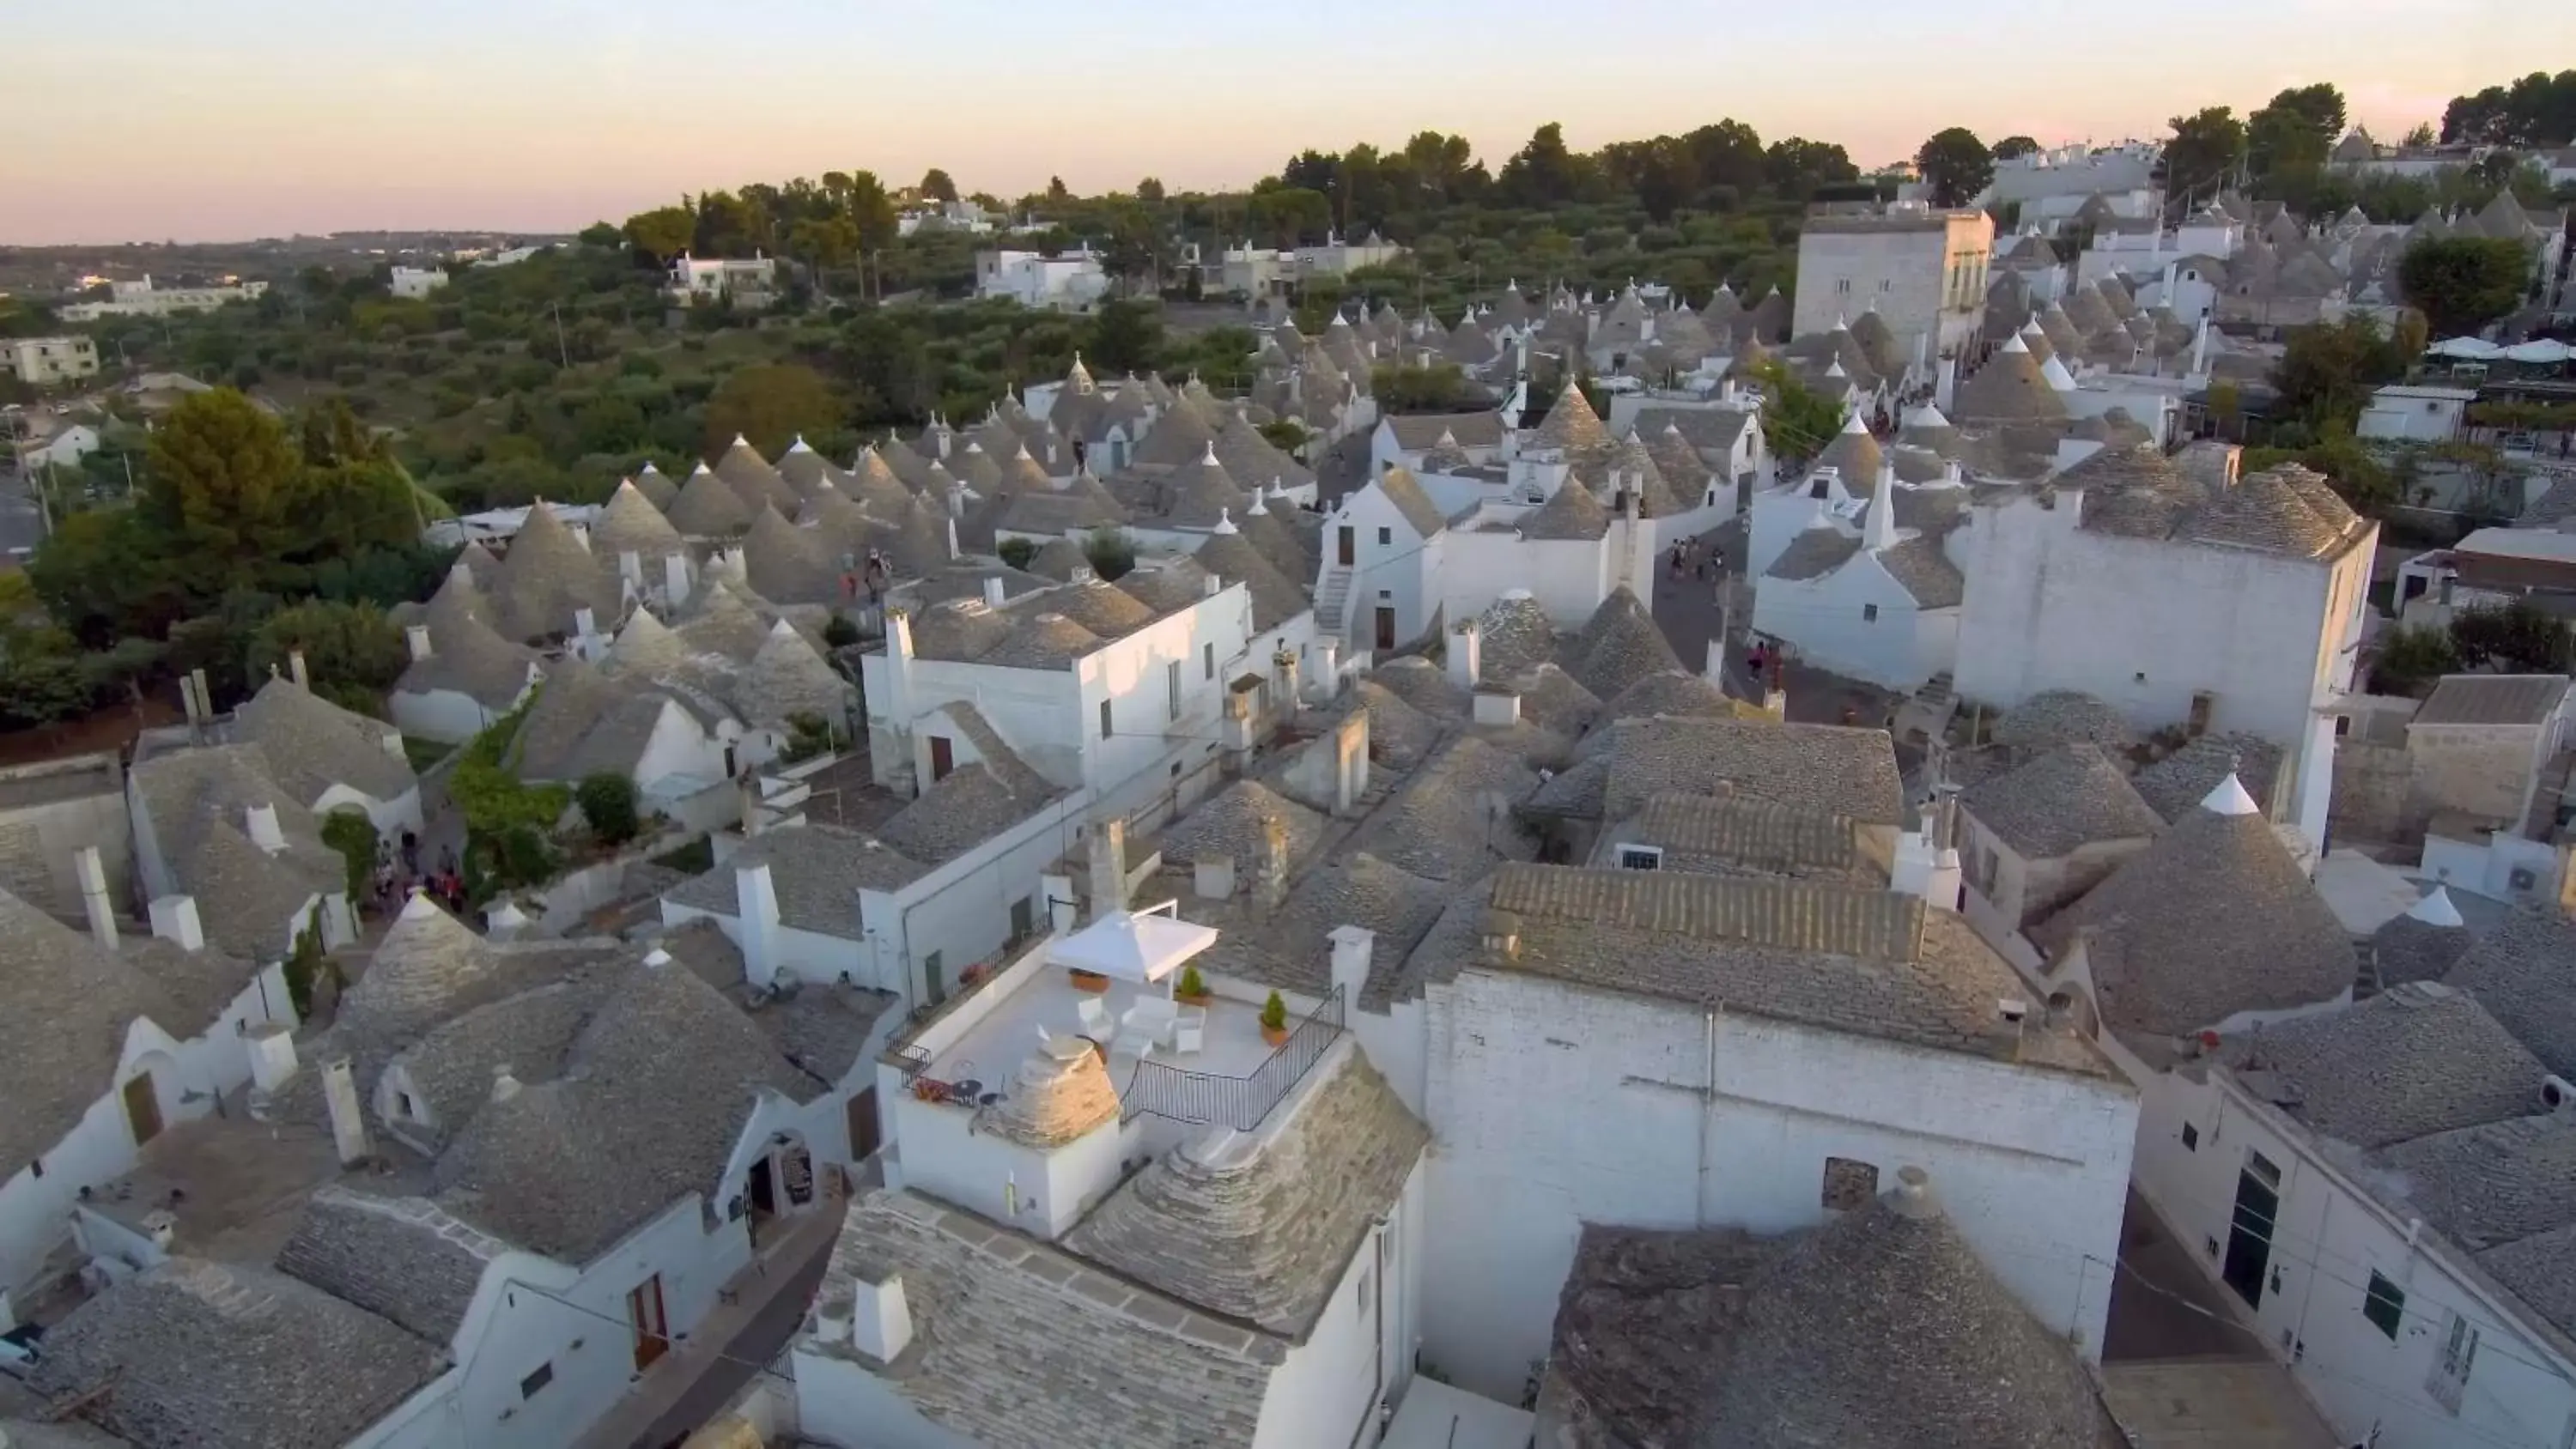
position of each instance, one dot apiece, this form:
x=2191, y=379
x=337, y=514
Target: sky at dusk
x=157, y=119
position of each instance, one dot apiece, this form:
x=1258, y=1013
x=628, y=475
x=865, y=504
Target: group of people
x=398, y=874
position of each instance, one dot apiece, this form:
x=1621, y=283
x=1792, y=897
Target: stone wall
x=2371, y=789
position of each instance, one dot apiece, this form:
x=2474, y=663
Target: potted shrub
x=1091, y=981
x=1193, y=988
x=1274, y=1020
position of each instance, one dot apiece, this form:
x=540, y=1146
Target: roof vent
x=1912, y=1196
x=504, y=1084
x=2012, y=1009
x=2558, y=1095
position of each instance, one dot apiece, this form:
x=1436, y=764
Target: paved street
x=21, y=527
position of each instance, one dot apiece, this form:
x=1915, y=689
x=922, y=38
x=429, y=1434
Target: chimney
x=162, y=1226
x=505, y=1085
x=993, y=593
x=881, y=1321
x=756, y=899
x=585, y=623
x=675, y=577
x=1499, y=708
x=188, y=699
x=205, y=696
x=1212, y=585
x=295, y=669
x=1715, y=670
x=1498, y=936
x=1353, y=947
x=1912, y=1196
x=93, y=884
x=1106, y=849
x=272, y=1055
x=630, y=569
x=953, y=550
x=1212, y=877
x=1466, y=653
x=174, y=919
x=1327, y=679
x=348, y=1124
x=1878, y=530
x=416, y=636
x=505, y=922
x=1270, y=869
x=260, y=821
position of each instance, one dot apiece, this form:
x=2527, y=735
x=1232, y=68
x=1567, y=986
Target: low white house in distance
x=737, y=279
x=2407, y=414
x=105, y=1041
x=1069, y=282
x=416, y=282
x=44, y=361
x=64, y=449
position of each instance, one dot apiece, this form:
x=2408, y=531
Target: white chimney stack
x=417, y=638
x=93, y=884
x=174, y=919
x=756, y=899
x=272, y=1055
x=1106, y=849
x=675, y=578
x=505, y=1084
x=993, y=592
x=260, y=822
x=1466, y=653
x=1353, y=947
x=1498, y=708
x=881, y=1319
x=348, y=1122
x=1213, y=877
x=295, y=667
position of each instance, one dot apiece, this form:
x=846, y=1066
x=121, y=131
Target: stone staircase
x=1332, y=603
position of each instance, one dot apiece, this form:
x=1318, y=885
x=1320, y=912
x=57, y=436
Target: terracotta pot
x=1276, y=1036
x=1088, y=981
x=1201, y=999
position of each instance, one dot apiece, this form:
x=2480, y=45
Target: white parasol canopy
x=1139, y=946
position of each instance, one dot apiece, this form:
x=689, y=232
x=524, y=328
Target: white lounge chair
x=1095, y=1017
x=1189, y=1029
x=1152, y=1015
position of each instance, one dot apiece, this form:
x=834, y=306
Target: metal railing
x=1180, y=1095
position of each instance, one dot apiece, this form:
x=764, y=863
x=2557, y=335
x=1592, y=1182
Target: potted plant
x=1091, y=981
x=1274, y=1020
x=1193, y=989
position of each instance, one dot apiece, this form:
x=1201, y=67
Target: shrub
x=607, y=801
x=349, y=831
x=1274, y=1013
x=1017, y=552
x=840, y=633
x=1192, y=984
x=1111, y=555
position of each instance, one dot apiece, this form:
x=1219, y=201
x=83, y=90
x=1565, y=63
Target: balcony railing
x=1180, y=1095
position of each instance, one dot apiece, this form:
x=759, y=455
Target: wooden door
x=1347, y=548
x=1385, y=627
x=864, y=1140
x=143, y=1109
x=943, y=758
x=644, y=1316
x=2249, y=1239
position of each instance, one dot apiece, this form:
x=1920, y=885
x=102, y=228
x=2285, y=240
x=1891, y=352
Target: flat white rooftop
x=1435, y=1415
x=991, y=1052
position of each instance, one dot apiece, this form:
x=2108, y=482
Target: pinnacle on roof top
x=2436, y=909
x=2229, y=798
x=2015, y=344
x=1225, y=522
x=799, y=445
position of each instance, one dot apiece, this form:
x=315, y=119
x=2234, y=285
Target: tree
x=2461, y=284
x=346, y=644
x=664, y=232
x=2420, y=137
x=1150, y=191
x=601, y=234
x=1956, y=165
x=936, y=185
x=1434, y=387
x=1056, y=194
x=1797, y=166
x=607, y=801
x=2294, y=131
x=1126, y=336
x=2412, y=661
x=2536, y=111
x=347, y=830
x=1798, y=420
x=225, y=484
x=2518, y=636
x=2203, y=151
x=2011, y=146
x=1110, y=554
x=1543, y=172
x=2327, y=371
x=771, y=403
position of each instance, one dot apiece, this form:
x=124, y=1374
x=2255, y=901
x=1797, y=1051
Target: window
x=2262, y=1167
x=36, y=1168
x=2451, y=1366
x=1641, y=857
x=1172, y=686
x=1849, y=1184
x=405, y=1107
x=2384, y=1305
x=1364, y=1294
x=533, y=1383
x=1386, y=538
x=2190, y=1138
x=1843, y=286
x=1869, y=613
x=1207, y=660
x=1104, y=719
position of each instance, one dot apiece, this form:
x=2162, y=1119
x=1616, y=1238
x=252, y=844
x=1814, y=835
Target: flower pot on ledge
x=1200, y=999
x=1091, y=981
x=1274, y=1036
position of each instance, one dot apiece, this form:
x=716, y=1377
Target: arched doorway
x=781, y=1183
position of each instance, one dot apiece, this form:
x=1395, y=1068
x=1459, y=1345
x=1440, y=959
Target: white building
x=142, y=299
x=64, y=449
x=327, y=757
x=1923, y=272
x=510, y=1178
x=1257, y=1281
x=45, y=361
x=1382, y=571
x=2404, y=414
x=741, y=280
x=2077, y=171
x=1072, y=281
x=214, y=822
x=416, y=282
x=1868, y=587
x=110, y=1039
x=2237, y=609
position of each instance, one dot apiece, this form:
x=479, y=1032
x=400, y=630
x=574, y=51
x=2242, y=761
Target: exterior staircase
x=1332, y=604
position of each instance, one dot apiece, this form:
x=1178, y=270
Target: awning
x=2469, y=349
x=2545, y=350
x=1143, y=947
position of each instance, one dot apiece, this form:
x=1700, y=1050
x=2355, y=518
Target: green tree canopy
x=936, y=185
x=2327, y=371
x=2203, y=151
x=2011, y=146
x=2536, y=111
x=771, y=403
x=1126, y=336
x=2461, y=284
x=2295, y=130
x=662, y=233
x=1956, y=165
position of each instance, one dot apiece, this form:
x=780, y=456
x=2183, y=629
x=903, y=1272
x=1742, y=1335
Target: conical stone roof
x=708, y=508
